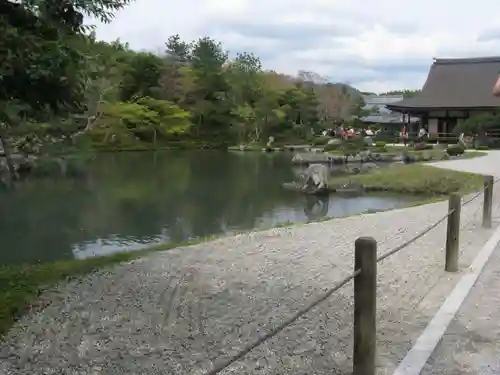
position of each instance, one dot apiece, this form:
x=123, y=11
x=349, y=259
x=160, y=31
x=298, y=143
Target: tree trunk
x=8, y=157
x=198, y=128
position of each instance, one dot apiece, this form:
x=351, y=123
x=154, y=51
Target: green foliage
x=141, y=75
x=405, y=93
x=55, y=68
x=483, y=147
x=354, y=143
x=380, y=144
x=478, y=123
x=170, y=118
x=493, y=143
x=333, y=147
x=454, y=150
x=422, y=146
x=124, y=123
x=388, y=137
x=43, y=67
x=416, y=179
x=320, y=141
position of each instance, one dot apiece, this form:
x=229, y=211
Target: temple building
x=454, y=90
x=390, y=121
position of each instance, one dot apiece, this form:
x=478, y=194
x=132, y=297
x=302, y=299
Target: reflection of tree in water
x=40, y=220
x=141, y=197
x=316, y=207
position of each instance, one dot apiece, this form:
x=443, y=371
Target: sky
x=375, y=46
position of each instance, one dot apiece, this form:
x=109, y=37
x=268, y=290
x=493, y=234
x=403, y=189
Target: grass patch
x=472, y=154
x=436, y=154
x=415, y=179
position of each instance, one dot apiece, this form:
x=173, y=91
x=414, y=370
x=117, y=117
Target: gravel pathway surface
x=178, y=312
x=471, y=343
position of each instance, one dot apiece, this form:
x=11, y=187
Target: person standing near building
x=421, y=134
x=404, y=135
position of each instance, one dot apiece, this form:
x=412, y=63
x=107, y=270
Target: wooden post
x=488, y=201
x=452, y=233
x=365, y=298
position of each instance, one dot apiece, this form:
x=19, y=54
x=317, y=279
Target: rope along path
x=248, y=348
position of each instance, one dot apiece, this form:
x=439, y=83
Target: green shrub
x=386, y=137
x=422, y=146
x=355, y=143
x=493, y=143
x=454, y=150
x=483, y=147
x=330, y=147
x=380, y=144
x=320, y=141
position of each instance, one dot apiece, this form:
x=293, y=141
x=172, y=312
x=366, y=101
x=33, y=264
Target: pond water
x=126, y=201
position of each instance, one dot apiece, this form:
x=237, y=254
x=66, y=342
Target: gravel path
x=177, y=312
x=470, y=345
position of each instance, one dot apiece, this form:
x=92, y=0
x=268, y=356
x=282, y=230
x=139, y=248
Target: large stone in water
x=311, y=158
x=316, y=177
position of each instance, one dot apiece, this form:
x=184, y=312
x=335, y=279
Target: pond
x=126, y=201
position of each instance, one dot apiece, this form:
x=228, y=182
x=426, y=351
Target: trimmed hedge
x=454, y=150
x=320, y=141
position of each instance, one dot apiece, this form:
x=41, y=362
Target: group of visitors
x=342, y=133
x=422, y=134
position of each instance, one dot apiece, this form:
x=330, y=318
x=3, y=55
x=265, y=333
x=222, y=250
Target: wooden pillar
x=488, y=200
x=365, y=301
x=452, y=233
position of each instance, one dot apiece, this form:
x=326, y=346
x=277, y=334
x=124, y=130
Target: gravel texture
x=178, y=312
x=471, y=343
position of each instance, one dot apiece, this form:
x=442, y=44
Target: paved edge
x=415, y=360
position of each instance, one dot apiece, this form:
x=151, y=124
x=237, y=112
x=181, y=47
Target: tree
x=245, y=78
x=139, y=99
x=171, y=118
x=358, y=108
x=178, y=50
x=211, y=107
x=479, y=124
x=43, y=68
x=141, y=76
x=406, y=93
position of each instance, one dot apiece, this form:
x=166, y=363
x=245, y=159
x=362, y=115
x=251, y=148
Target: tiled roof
x=456, y=83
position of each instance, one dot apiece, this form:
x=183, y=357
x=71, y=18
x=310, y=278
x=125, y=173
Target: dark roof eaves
x=467, y=60
x=440, y=107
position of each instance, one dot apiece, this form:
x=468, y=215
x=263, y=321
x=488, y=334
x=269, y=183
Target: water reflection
x=129, y=200
x=316, y=207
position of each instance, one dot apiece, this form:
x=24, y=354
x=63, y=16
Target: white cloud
x=374, y=45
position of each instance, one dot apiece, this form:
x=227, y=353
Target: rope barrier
x=413, y=239
x=248, y=348
x=474, y=197
x=478, y=194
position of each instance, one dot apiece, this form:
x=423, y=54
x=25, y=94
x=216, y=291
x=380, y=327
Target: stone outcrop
x=313, y=181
